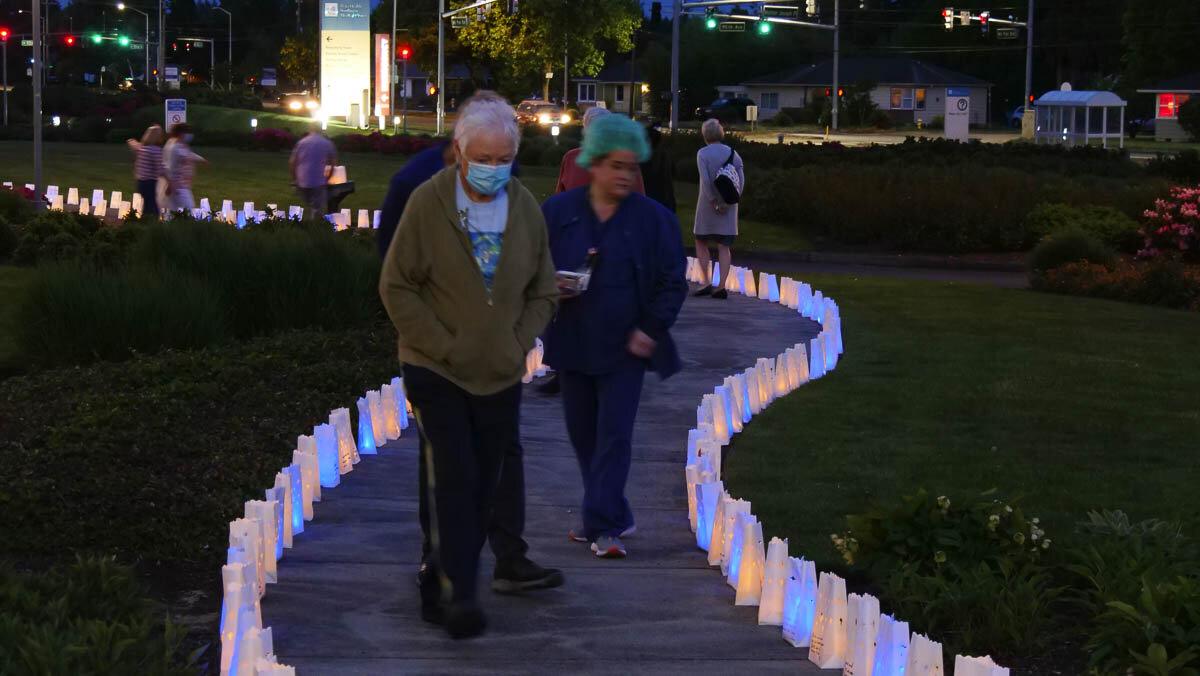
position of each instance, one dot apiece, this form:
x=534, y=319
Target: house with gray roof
x=1169, y=95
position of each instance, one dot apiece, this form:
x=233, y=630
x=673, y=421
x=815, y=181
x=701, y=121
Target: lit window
x=1168, y=104
x=920, y=99
x=902, y=99
x=897, y=94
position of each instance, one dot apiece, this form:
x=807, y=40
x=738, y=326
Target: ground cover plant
x=1070, y=404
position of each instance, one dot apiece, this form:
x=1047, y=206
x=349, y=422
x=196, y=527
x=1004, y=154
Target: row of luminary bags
x=258, y=540
x=842, y=631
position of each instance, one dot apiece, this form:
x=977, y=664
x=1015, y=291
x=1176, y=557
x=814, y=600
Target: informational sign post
x=958, y=112
x=176, y=112
x=172, y=76
x=269, y=78
x=383, y=85
x=345, y=55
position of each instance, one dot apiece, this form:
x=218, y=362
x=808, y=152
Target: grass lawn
x=262, y=177
x=1148, y=144
x=1075, y=404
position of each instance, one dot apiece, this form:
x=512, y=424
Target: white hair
x=711, y=131
x=593, y=113
x=486, y=113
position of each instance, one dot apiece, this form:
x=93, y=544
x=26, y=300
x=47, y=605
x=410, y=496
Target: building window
x=769, y=100
x=902, y=99
x=620, y=92
x=920, y=99
x=587, y=92
x=1168, y=104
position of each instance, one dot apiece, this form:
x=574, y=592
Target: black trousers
x=466, y=441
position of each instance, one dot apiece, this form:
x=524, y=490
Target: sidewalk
x=347, y=603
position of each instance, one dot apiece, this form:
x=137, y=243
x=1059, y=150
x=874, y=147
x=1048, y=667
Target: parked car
x=1145, y=125
x=299, y=103
x=1014, y=118
x=725, y=109
x=534, y=111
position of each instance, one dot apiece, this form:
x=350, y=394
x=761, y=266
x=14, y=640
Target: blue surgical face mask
x=488, y=179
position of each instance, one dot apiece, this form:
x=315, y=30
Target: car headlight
x=294, y=105
x=311, y=105
x=566, y=118
x=544, y=118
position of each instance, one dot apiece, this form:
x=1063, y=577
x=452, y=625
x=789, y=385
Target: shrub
x=90, y=617
x=782, y=119
x=1189, y=117
x=272, y=139
x=1167, y=283
x=67, y=236
x=1172, y=227
x=15, y=207
x=881, y=120
x=1113, y=228
x=1180, y=167
x=937, y=122
x=1069, y=246
x=8, y=240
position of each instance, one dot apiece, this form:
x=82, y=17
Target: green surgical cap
x=609, y=133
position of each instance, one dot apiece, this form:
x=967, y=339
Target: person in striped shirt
x=180, y=164
x=148, y=167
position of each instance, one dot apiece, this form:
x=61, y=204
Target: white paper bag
x=247, y=535
x=347, y=450
x=828, y=649
x=732, y=509
x=720, y=418
x=737, y=545
x=85, y=207
x=717, y=543
x=924, y=657
x=232, y=584
x=774, y=584
x=799, y=602
x=753, y=400
x=977, y=666
x=402, y=397
x=73, y=196
x=327, y=455
x=751, y=288
x=295, y=476
x=753, y=560
x=862, y=631
x=282, y=492
x=708, y=497
x=366, y=428
x=816, y=359
x=391, y=425
x=891, y=646
x=375, y=402
x=263, y=513
x=764, y=286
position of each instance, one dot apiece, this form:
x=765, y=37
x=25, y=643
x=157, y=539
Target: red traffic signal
x=3, y=34
x=405, y=52
x=828, y=91
x=70, y=40
x=432, y=89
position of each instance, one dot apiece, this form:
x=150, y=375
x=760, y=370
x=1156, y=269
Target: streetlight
x=4, y=47
x=146, y=45
x=222, y=9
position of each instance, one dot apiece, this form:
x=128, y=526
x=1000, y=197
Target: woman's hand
x=640, y=344
x=718, y=208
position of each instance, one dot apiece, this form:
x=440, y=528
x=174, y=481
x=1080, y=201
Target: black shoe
x=464, y=619
x=551, y=386
x=518, y=575
x=706, y=291
x=433, y=613
x=425, y=574
x=721, y=294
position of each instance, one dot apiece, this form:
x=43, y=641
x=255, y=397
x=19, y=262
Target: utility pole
x=392, y=67
x=37, y=98
x=4, y=47
x=566, y=63
x=1027, y=122
x=676, y=11
x=837, y=32
x=441, y=68
x=633, y=77
x=162, y=48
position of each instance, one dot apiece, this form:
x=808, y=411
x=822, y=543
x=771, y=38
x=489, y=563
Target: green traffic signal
x=710, y=23
x=96, y=38
x=124, y=41
x=764, y=28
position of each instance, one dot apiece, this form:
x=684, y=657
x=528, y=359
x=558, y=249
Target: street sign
x=752, y=113
x=176, y=111
x=781, y=11
x=27, y=43
x=1006, y=33
x=732, y=27
x=958, y=113
x=268, y=77
x=460, y=21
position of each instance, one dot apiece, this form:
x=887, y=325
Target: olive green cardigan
x=447, y=319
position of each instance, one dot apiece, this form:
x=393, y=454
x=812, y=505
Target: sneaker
x=433, y=613
x=518, y=575
x=551, y=386
x=706, y=291
x=577, y=535
x=464, y=619
x=608, y=547
x=721, y=294
x=629, y=531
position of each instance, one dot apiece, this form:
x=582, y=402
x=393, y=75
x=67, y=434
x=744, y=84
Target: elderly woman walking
x=604, y=339
x=469, y=284
x=148, y=167
x=716, y=219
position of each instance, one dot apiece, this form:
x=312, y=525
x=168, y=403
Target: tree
x=533, y=41
x=1156, y=36
x=1189, y=117
x=298, y=57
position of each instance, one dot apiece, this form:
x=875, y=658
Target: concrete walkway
x=347, y=603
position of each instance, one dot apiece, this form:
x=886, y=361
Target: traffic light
x=69, y=40
x=983, y=21
x=432, y=90
x=948, y=18
x=710, y=18
x=123, y=41
x=764, y=27
x=4, y=34
x=810, y=7
x=405, y=52
x=96, y=38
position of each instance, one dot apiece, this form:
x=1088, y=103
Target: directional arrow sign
x=732, y=27
x=1006, y=33
x=460, y=21
x=27, y=43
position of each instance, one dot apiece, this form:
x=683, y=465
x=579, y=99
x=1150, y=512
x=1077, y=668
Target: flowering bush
x=1169, y=283
x=379, y=143
x=1172, y=228
x=272, y=139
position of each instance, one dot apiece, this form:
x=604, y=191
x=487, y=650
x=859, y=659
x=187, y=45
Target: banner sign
x=383, y=83
x=345, y=54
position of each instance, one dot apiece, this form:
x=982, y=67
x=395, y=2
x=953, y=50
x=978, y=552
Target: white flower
x=1008, y=509
x=1034, y=520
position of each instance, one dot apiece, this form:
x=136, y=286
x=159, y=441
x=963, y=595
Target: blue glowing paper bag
x=366, y=429
x=328, y=458
x=708, y=501
x=891, y=646
x=296, y=478
x=799, y=602
x=402, y=401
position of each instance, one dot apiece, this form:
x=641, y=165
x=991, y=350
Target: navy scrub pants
x=467, y=437
x=600, y=411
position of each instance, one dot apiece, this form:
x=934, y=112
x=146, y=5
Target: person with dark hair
x=605, y=337
x=658, y=172
x=180, y=164
x=148, y=168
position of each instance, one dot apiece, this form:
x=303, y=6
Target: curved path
x=346, y=601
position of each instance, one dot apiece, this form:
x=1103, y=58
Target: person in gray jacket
x=716, y=221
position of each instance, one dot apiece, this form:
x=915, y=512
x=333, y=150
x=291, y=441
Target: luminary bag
x=732, y=509
x=753, y=400
x=924, y=657
x=717, y=542
x=737, y=545
x=753, y=559
x=263, y=513
x=708, y=497
x=402, y=400
x=366, y=429
x=799, y=602
x=828, y=649
x=327, y=455
x=891, y=646
x=977, y=666
x=775, y=574
x=281, y=492
x=862, y=622
x=692, y=476
x=308, y=477
x=390, y=423
x=296, y=478
x=375, y=403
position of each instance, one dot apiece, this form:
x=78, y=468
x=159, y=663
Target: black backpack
x=727, y=184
